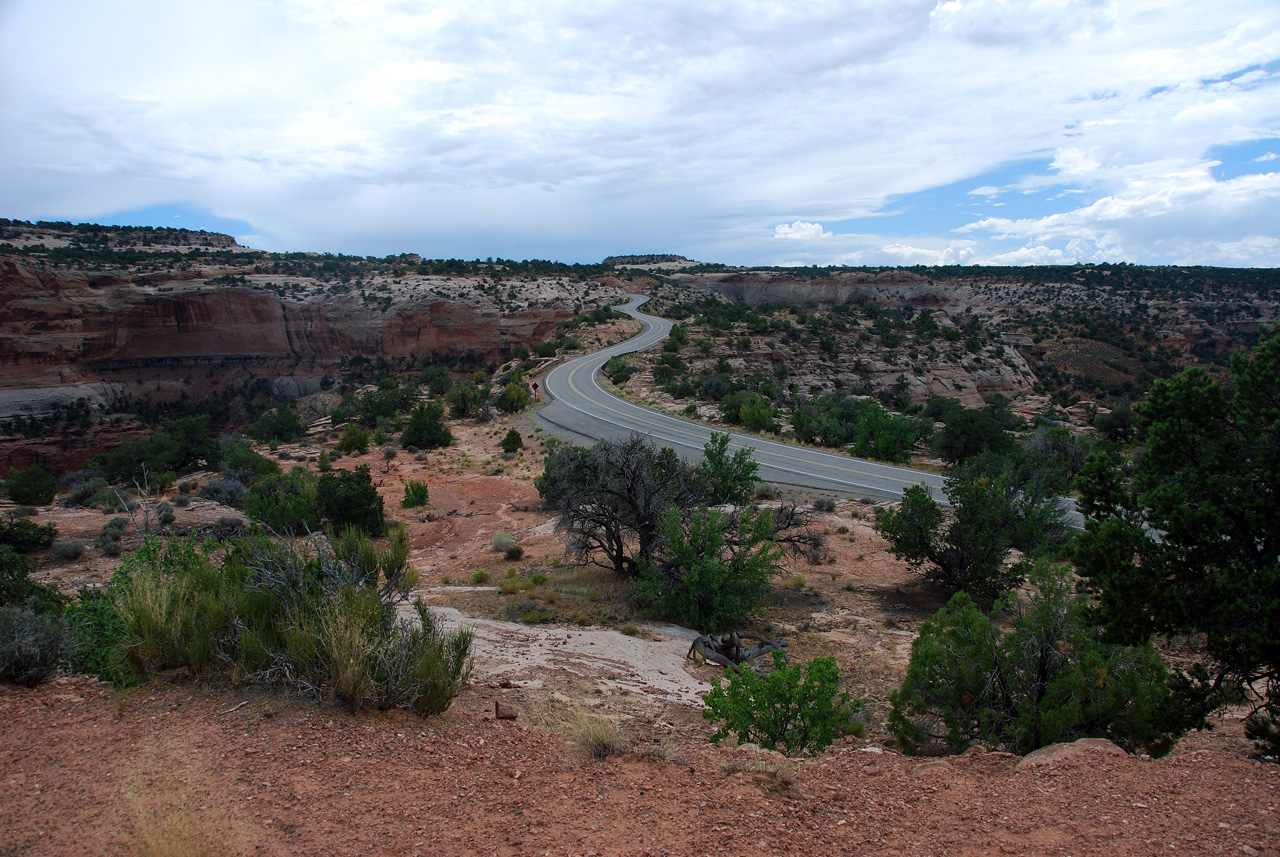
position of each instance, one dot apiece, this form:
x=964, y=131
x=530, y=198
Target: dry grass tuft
x=599, y=736
x=772, y=772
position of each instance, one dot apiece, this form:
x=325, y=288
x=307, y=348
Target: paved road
x=583, y=410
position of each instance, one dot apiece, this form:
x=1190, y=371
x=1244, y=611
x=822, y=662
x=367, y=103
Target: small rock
x=870, y=769
x=1054, y=752
x=929, y=767
x=503, y=711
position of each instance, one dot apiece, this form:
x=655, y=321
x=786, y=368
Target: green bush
x=501, y=541
x=286, y=503
x=17, y=589
x=269, y=612
x=512, y=443
x=348, y=497
x=416, y=494
x=514, y=552
x=33, y=486
x=280, y=424
x=165, y=514
x=1048, y=679
x=99, y=633
x=792, y=710
x=514, y=397
x=426, y=428
x=704, y=580
x=25, y=536
x=241, y=462
x=66, y=551
x=354, y=441
x=228, y=492
x=32, y=644
x=180, y=444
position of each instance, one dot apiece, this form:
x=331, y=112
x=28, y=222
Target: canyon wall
x=66, y=334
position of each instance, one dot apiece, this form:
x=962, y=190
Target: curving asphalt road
x=581, y=408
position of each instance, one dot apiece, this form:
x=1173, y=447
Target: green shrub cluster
x=320, y=622
x=280, y=424
x=793, y=709
x=34, y=637
x=25, y=536
x=416, y=494
x=426, y=428
x=33, y=486
x=866, y=428
x=302, y=502
x=1048, y=678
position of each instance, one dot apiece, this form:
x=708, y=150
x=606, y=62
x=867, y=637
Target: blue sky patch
x=177, y=217
x=998, y=193
x=1247, y=158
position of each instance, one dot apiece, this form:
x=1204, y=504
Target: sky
x=749, y=132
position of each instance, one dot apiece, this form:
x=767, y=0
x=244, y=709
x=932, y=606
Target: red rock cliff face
x=60, y=327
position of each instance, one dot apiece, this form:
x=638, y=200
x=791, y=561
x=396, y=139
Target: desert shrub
x=422, y=667
x=165, y=514
x=514, y=552
x=727, y=478
x=824, y=504
x=241, y=462
x=426, y=428
x=25, y=536
x=227, y=492
x=354, y=441
x=416, y=494
x=110, y=535
x=228, y=526
x=278, y=424
x=713, y=574
x=32, y=644
x=324, y=463
x=181, y=501
x=502, y=541
x=348, y=497
x=173, y=604
x=23, y=511
x=179, y=445
x=514, y=397
x=17, y=589
x=286, y=502
x=98, y=633
x=480, y=577
x=967, y=548
x=33, y=486
x=66, y=551
x=276, y=612
x=1049, y=678
x=512, y=443
x=791, y=710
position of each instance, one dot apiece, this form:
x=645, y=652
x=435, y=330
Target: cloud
x=384, y=126
x=800, y=230
x=1269, y=156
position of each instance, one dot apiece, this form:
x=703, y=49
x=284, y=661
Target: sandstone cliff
x=70, y=333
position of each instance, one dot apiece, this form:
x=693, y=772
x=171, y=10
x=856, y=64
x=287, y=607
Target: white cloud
x=380, y=125
x=1269, y=156
x=800, y=230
